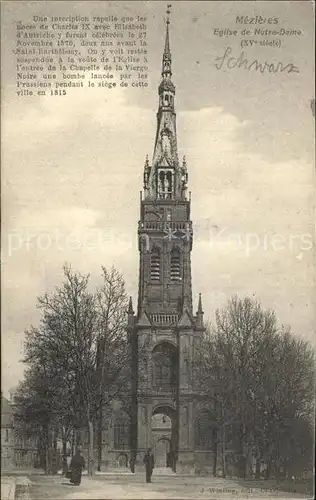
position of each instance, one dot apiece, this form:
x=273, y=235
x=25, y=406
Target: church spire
x=166, y=58
x=165, y=179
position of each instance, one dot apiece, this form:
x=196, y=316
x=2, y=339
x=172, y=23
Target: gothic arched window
x=121, y=433
x=169, y=184
x=155, y=264
x=165, y=177
x=161, y=183
x=162, y=372
x=164, y=358
x=175, y=265
x=186, y=366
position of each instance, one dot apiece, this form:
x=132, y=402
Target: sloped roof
x=186, y=320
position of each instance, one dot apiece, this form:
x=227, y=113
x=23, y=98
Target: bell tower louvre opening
x=164, y=397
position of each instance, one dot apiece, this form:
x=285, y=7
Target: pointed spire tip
x=167, y=53
x=130, y=306
x=200, y=309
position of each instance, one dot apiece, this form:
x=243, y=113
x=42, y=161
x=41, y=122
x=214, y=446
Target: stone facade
x=115, y=438
x=7, y=435
x=17, y=450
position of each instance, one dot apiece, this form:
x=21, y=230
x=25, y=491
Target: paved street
x=130, y=487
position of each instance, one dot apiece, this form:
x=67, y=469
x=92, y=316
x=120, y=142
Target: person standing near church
x=149, y=464
x=76, y=465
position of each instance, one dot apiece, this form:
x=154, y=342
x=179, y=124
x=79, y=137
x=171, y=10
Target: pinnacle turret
x=200, y=312
x=130, y=307
x=146, y=173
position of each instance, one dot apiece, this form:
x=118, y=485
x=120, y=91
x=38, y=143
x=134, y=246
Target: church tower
x=165, y=328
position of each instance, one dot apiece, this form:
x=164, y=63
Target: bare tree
x=65, y=343
x=83, y=345
x=113, y=356
x=261, y=378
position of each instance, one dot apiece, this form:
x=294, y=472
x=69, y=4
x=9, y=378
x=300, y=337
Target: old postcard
x=158, y=271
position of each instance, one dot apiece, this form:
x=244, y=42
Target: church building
x=163, y=408
x=165, y=399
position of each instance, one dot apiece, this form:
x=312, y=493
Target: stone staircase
x=139, y=474
x=163, y=471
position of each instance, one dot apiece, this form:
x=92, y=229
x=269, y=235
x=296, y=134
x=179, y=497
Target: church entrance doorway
x=162, y=453
x=163, y=427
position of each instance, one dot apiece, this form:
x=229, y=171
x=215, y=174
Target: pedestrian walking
x=76, y=465
x=149, y=464
x=132, y=463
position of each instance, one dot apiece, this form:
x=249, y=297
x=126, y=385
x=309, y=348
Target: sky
x=73, y=166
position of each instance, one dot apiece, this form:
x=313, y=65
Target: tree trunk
x=48, y=451
x=77, y=438
x=65, y=466
x=215, y=454
x=258, y=468
x=54, y=451
x=223, y=442
x=215, y=464
x=268, y=470
x=277, y=472
x=248, y=456
x=100, y=439
x=223, y=460
x=73, y=441
x=91, y=464
x=245, y=467
x=42, y=451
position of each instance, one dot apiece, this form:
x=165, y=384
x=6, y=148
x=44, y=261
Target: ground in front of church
x=133, y=486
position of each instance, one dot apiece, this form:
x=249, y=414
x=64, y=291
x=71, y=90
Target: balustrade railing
x=164, y=319
x=165, y=226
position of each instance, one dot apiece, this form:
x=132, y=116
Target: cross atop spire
x=167, y=43
x=168, y=12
